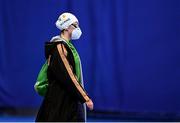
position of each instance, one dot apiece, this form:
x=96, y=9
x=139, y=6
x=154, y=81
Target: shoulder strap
x=48, y=61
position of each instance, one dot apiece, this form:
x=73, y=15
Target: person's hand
x=90, y=104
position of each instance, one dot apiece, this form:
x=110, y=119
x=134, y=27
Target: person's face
x=72, y=27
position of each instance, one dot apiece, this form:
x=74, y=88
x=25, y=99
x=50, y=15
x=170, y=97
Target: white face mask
x=76, y=34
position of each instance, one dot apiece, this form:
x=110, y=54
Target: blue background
x=130, y=51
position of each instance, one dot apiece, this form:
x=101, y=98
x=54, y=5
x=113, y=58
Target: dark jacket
x=63, y=100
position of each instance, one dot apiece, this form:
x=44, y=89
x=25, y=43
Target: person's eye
x=75, y=26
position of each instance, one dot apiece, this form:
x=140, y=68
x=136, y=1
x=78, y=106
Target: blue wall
x=130, y=50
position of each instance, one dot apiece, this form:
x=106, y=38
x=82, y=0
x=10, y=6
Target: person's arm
x=65, y=75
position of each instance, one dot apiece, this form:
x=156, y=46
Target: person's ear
x=70, y=29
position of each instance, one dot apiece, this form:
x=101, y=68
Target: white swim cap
x=65, y=20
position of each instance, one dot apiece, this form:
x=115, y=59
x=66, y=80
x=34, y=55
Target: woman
x=65, y=95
